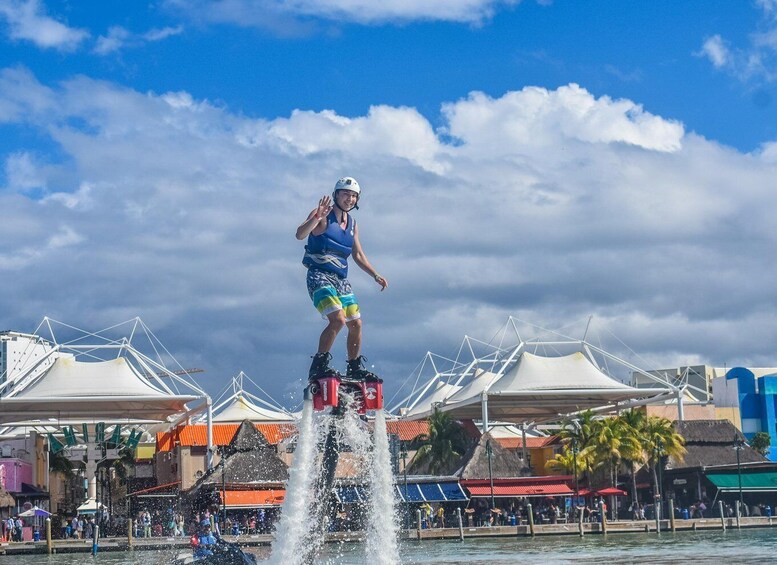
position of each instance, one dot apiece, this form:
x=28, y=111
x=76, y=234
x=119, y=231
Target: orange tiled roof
x=407, y=431
x=196, y=434
x=531, y=442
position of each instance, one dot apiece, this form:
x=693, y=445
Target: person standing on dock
x=333, y=236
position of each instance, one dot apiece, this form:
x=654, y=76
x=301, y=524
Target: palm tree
x=578, y=436
x=613, y=442
x=661, y=440
x=443, y=446
x=58, y=463
x=580, y=430
x=635, y=420
x=565, y=462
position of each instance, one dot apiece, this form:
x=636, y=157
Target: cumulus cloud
x=27, y=20
x=756, y=61
x=119, y=38
x=548, y=204
x=279, y=16
x=716, y=51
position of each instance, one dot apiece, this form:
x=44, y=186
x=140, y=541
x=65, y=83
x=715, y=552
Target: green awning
x=751, y=482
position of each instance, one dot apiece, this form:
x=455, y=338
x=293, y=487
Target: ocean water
x=744, y=546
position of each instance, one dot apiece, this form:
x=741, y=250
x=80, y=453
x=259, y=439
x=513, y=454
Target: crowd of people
x=12, y=528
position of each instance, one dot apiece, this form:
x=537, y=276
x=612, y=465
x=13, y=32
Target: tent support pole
x=680, y=411
x=484, y=407
x=210, y=433
x=523, y=447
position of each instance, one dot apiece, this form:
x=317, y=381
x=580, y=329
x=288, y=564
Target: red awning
x=254, y=498
x=548, y=489
x=611, y=491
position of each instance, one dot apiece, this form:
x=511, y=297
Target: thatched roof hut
x=711, y=443
x=6, y=500
x=248, y=458
x=505, y=463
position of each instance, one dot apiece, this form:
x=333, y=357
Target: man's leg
x=320, y=368
x=328, y=336
x=354, y=338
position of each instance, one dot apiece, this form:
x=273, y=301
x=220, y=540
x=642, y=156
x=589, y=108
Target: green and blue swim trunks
x=330, y=293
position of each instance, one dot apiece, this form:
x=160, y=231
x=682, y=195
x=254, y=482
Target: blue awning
x=430, y=492
x=350, y=494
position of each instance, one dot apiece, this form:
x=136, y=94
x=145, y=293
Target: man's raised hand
x=324, y=207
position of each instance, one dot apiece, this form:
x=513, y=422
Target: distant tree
x=58, y=463
x=761, y=442
x=565, y=462
x=635, y=421
x=443, y=446
x=614, y=441
x=661, y=440
x=124, y=464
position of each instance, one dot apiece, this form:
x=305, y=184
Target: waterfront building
x=715, y=459
x=752, y=392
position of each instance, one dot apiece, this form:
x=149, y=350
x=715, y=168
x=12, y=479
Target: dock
x=666, y=526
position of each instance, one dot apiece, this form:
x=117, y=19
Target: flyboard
x=337, y=394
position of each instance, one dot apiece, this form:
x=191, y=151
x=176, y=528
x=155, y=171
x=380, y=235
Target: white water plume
x=383, y=527
x=300, y=492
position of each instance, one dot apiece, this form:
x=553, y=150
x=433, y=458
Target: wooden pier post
x=418, y=514
x=580, y=520
x=722, y=515
x=738, y=511
x=461, y=524
x=671, y=515
x=49, y=544
x=129, y=534
x=531, y=519
x=603, y=516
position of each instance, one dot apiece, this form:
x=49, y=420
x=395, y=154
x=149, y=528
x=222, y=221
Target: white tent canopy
x=236, y=404
x=240, y=408
x=524, y=387
x=90, y=507
x=92, y=390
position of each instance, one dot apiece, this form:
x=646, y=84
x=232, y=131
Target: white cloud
x=274, y=15
x=535, y=118
x=119, y=38
x=756, y=61
x=27, y=20
x=716, y=51
x=552, y=204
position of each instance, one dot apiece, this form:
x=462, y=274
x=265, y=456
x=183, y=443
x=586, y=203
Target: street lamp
x=490, y=474
x=739, y=445
x=574, y=465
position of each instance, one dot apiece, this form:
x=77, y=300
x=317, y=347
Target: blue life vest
x=205, y=545
x=330, y=250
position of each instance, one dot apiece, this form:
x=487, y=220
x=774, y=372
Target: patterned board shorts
x=331, y=293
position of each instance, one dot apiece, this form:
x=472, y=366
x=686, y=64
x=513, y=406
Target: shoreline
x=523, y=531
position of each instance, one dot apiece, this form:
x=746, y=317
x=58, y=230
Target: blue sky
x=550, y=160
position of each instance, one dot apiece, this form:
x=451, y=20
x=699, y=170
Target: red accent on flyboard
x=370, y=395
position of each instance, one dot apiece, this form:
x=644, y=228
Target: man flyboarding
x=333, y=236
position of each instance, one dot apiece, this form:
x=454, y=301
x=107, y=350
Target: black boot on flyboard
x=320, y=369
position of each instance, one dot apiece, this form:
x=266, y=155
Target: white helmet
x=348, y=183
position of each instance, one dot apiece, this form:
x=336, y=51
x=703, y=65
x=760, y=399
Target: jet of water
x=383, y=527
